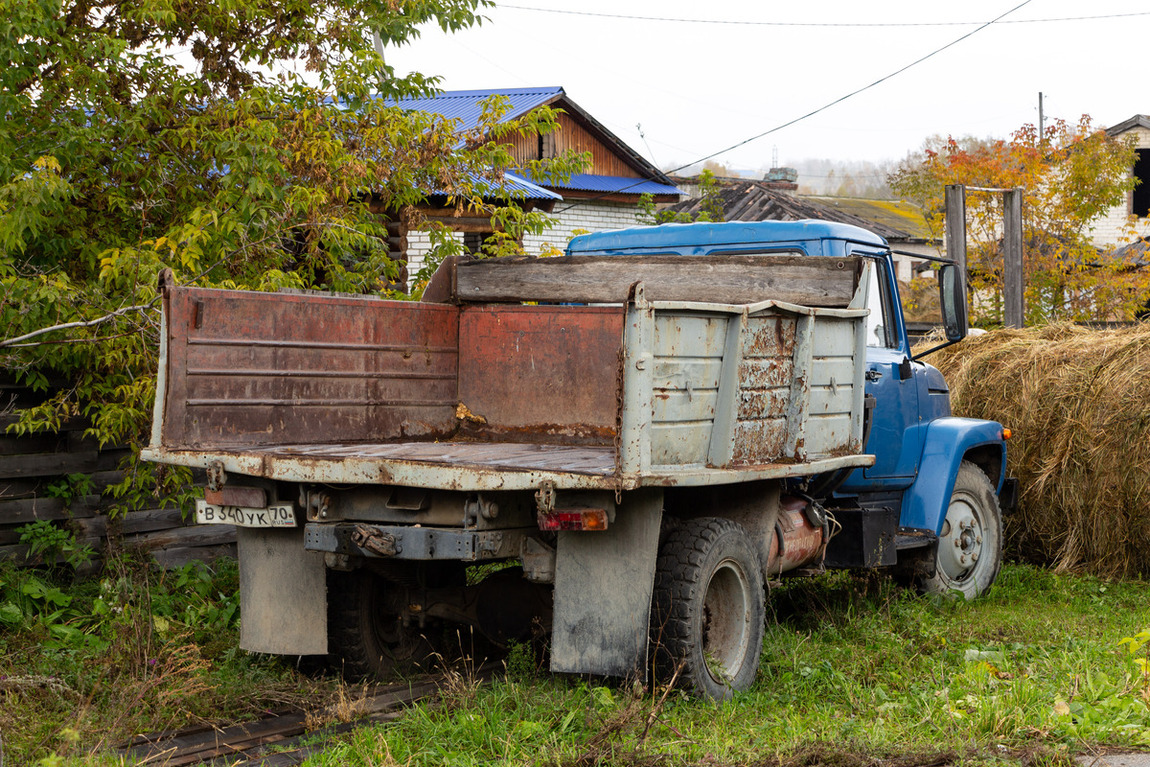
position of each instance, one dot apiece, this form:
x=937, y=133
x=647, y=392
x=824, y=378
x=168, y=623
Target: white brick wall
x=592, y=216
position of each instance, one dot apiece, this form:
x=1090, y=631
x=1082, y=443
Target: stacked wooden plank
x=60, y=477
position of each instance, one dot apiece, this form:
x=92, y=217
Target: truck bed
x=506, y=395
x=474, y=466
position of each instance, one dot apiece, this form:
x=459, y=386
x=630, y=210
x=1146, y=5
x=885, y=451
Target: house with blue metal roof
x=605, y=197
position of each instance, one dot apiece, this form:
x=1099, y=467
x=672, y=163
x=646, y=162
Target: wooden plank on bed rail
x=729, y=279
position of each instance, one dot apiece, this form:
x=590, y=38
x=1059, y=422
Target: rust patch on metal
x=761, y=404
x=542, y=434
x=232, y=495
x=796, y=542
x=540, y=373
x=463, y=413
x=771, y=335
x=759, y=442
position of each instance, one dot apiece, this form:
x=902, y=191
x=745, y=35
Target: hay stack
x=1078, y=402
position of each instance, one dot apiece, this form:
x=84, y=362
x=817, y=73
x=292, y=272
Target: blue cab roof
x=814, y=238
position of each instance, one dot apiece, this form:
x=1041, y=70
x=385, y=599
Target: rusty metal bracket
x=545, y=497
x=216, y=476
x=374, y=540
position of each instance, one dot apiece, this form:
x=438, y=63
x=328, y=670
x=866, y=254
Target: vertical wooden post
x=1012, y=276
x=956, y=229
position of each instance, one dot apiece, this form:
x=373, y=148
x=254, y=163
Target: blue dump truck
x=618, y=449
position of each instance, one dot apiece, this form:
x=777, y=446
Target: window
x=878, y=327
x=1140, y=197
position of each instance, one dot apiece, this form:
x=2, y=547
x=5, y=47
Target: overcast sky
x=697, y=86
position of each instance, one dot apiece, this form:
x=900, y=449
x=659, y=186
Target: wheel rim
x=960, y=546
x=726, y=632
x=394, y=641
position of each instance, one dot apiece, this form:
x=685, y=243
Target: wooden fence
x=61, y=477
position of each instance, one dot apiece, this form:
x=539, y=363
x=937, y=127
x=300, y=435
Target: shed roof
x=897, y=215
x=1137, y=121
x=750, y=200
x=1136, y=254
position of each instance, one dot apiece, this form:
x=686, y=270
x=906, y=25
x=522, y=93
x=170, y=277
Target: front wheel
x=707, y=617
x=969, y=553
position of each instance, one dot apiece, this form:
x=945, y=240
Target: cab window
x=879, y=324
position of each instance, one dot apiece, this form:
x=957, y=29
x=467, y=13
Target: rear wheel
x=366, y=635
x=707, y=617
x=969, y=553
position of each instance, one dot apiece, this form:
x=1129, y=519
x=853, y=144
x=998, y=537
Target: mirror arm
x=933, y=349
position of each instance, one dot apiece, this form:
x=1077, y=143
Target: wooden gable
x=573, y=134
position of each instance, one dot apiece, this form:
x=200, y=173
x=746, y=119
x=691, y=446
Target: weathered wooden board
x=729, y=279
x=25, y=510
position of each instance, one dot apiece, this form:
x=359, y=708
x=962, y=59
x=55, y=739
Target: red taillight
x=573, y=519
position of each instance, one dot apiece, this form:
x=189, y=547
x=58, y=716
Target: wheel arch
x=946, y=444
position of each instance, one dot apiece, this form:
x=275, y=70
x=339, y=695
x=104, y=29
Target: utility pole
x=1041, y=122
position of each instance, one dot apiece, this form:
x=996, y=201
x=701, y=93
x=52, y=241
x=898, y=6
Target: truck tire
x=365, y=636
x=708, y=607
x=969, y=553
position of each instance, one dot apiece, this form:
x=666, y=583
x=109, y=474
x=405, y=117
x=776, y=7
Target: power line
x=830, y=104
x=819, y=24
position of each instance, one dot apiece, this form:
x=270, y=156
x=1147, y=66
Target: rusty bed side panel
x=765, y=373
x=544, y=374
x=248, y=369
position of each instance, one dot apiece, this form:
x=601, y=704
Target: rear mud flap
x=603, y=585
x=283, y=593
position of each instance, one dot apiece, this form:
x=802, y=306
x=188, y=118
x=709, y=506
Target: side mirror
x=952, y=299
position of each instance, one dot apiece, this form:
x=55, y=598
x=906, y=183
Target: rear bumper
x=418, y=543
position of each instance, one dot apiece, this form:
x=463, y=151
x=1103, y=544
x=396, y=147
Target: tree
x=1070, y=176
x=716, y=168
x=118, y=160
x=710, y=205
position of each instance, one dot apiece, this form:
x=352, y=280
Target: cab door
x=895, y=437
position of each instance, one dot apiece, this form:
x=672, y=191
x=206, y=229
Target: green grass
x=853, y=670
x=86, y=665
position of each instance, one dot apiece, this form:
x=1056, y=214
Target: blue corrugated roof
x=813, y=237
x=529, y=190
x=465, y=105
x=589, y=182
x=517, y=186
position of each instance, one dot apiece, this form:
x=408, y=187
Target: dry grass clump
x=1078, y=402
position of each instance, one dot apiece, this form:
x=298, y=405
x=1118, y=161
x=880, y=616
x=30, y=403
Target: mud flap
x=603, y=585
x=283, y=593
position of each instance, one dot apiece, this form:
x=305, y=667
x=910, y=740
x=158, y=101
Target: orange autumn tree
x=1071, y=175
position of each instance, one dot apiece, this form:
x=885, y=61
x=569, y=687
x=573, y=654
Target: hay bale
x=1078, y=403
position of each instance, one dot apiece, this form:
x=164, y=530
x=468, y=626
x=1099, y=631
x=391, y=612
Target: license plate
x=276, y=515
